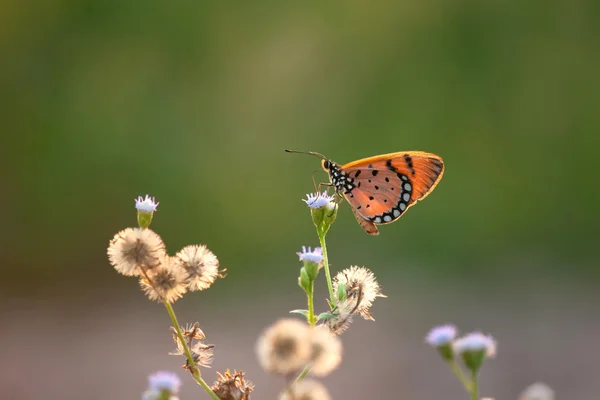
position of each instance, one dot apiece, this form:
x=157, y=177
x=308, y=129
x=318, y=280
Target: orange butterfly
x=381, y=188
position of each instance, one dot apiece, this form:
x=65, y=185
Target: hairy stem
x=326, y=265
x=195, y=371
x=311, y=304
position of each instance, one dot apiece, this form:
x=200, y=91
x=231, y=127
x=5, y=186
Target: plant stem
x=311, y=304
x=304, y=372
x=474, y=386
x=460, y=375
x=190, y=360
x=326, y=265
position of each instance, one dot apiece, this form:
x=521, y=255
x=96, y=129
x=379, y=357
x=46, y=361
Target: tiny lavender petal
x=164, y=380
x=146, y=205
x=318, y=200
x=441, y=335
x=476, y=341
x=314, y=256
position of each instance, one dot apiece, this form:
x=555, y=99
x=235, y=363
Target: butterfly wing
x=385, y=186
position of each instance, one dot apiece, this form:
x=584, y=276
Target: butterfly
x=381, y=188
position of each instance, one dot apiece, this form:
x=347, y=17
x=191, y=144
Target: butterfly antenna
x=312, y=153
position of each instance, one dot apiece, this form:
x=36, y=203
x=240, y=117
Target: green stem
x=460, y=375
x=326, y=265
x=474, y=386
x=303, y=374
x=192, y=365
x=311, y=304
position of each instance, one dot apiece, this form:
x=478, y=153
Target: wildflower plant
x=293, y=348
x=141, y=253
x=472, y=349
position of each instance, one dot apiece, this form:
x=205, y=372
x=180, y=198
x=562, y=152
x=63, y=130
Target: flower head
x=537, y=391
x=314, y=256
x=476, y=341
x=284, y=348
x=166, y=282
x=232, y=386
x=361, y=289
x=146, y=205
x=306, y=389
x=474, y=348
x=200, y=265
x=133, y=250
x=164, y=380
x=326, y=351
x=318, y=200
x=441, y=335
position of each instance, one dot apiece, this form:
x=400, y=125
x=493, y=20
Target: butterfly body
x=380, y=189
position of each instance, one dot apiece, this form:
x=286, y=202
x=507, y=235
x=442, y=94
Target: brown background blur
x=194, y=102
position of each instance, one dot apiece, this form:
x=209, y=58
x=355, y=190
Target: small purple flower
x=475, y=342
x=314, y=256
x=164, y=380
x=146, y=205
x=441, y=335
x=318, y=200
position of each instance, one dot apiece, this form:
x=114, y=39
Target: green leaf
x=302, y=312
x=326, y=316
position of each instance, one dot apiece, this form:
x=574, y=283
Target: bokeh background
x=194, y=103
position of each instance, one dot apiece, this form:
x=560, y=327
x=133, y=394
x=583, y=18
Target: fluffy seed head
x=306, y=389
x=537, y=391
x=165, y=282
x=134, y=249
x=441, y=335
x=232, y=386
x=361, y=289
x=200, y=265
x=326, y=351
x=284, y=348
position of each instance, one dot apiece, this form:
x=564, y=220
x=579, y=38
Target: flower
x=318, y=200
x=134, y=249
x=361, y=289
x=441, y=335
x=147, y=205
x=164, y=380
x=537, y=391
x=284, y=348
x=306, y=389
x=314, y=256
x=167, y=282
x=326, y=351
x=476, y=341
x=232, y=387
x=474, y=348
x=200, y=264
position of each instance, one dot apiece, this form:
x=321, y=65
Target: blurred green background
x=194, y=103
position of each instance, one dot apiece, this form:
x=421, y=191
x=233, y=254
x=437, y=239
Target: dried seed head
x=326, y=351
x=201, y=266
x=306, y=389
x=202, y=354
x=134, y=249
x=361, y=289
x=232, y=387
x=284, y=348
x=164, y=282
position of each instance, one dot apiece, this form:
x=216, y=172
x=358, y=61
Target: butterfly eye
x=326, y=164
